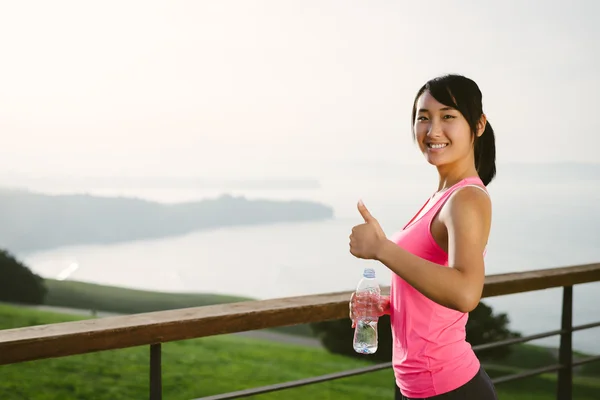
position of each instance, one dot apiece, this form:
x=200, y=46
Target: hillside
x=33, y=221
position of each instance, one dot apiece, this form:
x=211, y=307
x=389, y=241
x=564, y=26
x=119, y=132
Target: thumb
x=362, y=209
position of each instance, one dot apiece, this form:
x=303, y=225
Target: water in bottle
x=366, y=313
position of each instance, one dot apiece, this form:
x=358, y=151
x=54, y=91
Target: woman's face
x=443, y=134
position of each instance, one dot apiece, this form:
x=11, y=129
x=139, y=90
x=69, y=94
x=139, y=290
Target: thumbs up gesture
x=367, y=238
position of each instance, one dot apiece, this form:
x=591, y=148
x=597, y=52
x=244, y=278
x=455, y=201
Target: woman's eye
x=448, y=116
x=421, y=118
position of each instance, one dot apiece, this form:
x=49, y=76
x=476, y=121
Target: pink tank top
x=430, y=353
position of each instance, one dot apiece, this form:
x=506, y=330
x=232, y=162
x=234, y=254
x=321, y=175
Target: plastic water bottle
x=367, y=295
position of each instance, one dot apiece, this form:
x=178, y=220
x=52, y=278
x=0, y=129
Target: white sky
x=247, y=87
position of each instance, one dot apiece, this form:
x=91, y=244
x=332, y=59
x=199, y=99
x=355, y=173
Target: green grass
x=126, y=301
x=201, y=367
x=89, y=296
x=591, y=369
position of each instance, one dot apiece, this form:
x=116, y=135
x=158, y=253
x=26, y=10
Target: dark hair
x=463, y=94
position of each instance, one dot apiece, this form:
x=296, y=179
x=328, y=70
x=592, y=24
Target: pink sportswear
x=430, y=353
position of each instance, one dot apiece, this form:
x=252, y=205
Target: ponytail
x=485, y=155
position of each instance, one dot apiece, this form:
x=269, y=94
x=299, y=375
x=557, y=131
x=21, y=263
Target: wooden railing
x=110, y=333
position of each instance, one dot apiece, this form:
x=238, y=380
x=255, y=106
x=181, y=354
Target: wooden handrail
x=86, y=336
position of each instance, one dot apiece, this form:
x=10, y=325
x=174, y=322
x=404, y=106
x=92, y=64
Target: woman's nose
x=435, y=128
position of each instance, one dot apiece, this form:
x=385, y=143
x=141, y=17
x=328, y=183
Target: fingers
x=352, y=241
x=351, y=313
x=356, y=232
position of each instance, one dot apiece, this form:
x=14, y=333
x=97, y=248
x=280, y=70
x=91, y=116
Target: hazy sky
x=283, y=87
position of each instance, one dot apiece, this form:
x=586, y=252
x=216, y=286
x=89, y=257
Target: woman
x=437, y=258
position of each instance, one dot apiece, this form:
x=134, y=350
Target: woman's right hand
x=359, y=308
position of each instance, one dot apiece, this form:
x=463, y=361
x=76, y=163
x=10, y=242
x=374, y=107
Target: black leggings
x=478, y=388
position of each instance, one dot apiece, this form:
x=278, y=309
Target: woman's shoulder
x=469, y=201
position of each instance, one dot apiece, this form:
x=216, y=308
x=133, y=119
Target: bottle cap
x=369, y=273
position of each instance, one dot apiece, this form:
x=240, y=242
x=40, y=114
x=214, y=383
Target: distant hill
x=32, y=221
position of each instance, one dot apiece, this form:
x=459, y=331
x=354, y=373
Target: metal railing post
x=564, y=389
x=155, y=372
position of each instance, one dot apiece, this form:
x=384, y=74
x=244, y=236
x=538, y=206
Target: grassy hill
x=201, y=367
x=89, y=296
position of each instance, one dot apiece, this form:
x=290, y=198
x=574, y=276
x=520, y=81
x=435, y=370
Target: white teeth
x=437, y=145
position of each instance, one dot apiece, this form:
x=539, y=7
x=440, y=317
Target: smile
x=437, y=145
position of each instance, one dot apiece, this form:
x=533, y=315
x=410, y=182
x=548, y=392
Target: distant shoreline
x=34, y=221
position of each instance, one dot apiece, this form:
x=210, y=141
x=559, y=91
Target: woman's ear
x=481, y=125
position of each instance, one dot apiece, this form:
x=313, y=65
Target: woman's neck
x=450, y=175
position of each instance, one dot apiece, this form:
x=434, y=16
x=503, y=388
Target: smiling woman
x=437, y=259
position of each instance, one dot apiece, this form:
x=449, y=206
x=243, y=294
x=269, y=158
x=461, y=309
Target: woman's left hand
x=366, y=239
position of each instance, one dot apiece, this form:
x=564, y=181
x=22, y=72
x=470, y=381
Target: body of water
x=535, y=226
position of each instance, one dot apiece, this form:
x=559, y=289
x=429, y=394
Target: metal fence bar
x=543, y=370
x=502, y=343
x=564, y=386
x=508, y=342
x=527, y=374
x=155, y=372
x=297, y=383
x=586, y=326
x=586, y=360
